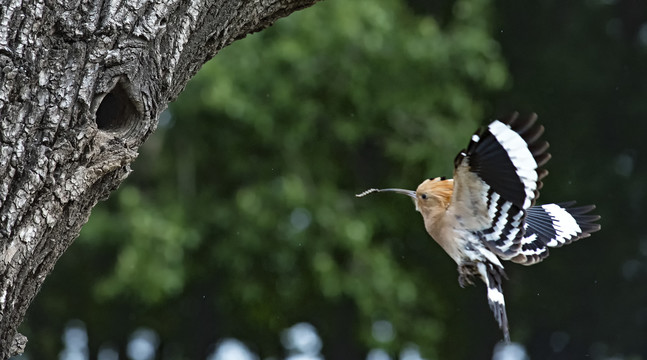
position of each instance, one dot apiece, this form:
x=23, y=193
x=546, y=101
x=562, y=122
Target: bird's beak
x=409, y=193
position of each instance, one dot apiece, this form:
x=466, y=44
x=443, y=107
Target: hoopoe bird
x=487, y=214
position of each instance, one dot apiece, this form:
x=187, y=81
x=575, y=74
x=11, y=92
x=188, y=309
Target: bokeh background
x=239, y=227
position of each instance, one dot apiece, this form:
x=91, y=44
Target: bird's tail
x=493, y=275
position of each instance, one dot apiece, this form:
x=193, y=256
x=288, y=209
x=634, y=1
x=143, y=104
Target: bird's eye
x=423, y=196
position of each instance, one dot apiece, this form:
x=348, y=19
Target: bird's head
x=431, y=197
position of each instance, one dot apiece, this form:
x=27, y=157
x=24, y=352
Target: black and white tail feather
x=507, y=158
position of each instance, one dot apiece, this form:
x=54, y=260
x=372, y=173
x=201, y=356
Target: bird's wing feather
x=497, y=178
x=554, y=225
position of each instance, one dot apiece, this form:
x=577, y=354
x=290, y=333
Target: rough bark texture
x=82, y=83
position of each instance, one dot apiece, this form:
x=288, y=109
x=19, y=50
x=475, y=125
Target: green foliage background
x=240, y=217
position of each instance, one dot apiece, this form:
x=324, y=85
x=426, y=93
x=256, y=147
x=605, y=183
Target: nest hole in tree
x=116, y=113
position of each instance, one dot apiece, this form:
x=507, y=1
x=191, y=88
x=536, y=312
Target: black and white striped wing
x=554, y=225
x=498, y=178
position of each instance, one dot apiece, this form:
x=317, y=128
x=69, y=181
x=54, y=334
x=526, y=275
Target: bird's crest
x=440, y=188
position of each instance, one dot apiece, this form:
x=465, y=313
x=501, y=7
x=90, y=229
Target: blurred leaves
x=240, y=220
x=246, y=196
x=151, y=265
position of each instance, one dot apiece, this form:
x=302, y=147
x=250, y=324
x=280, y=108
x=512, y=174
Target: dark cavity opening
x=116, y=111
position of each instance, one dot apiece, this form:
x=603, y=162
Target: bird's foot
x=466, y=272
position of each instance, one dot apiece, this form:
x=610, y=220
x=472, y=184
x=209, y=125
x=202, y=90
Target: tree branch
x=81, y=86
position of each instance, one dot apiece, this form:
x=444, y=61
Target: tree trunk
x=81, y=86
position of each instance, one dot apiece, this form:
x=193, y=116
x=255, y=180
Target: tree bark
x=82, y=83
